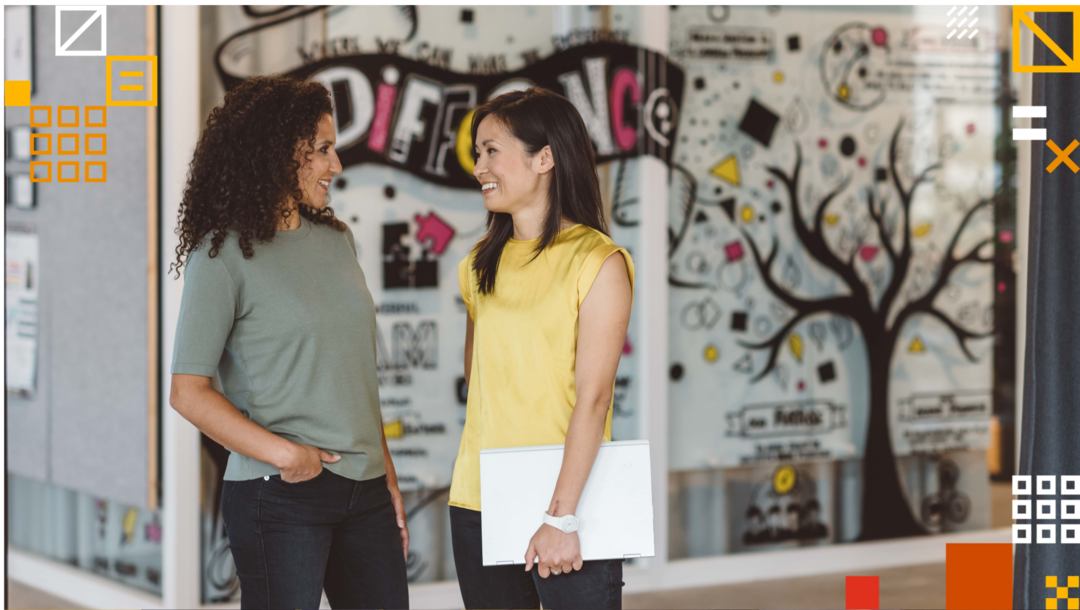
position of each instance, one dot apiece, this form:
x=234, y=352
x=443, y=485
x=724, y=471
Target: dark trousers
x=598, y=584
x=289, y=541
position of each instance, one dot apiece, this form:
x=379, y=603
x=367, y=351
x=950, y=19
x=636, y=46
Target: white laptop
x=615, y=511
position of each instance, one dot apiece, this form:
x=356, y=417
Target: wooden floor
x=911, y=587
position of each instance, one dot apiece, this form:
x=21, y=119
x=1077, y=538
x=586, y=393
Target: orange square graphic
x=48, y=143
x=91, y=163
x=74, y=110
x=71, y=137
x=100, y=136
x=48, y=171
x=33, y=115
x=60, y=171
x=89, y=123
x=978, y=576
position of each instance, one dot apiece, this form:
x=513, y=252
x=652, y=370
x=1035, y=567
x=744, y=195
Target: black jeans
x=598, y=584
x=289, y=541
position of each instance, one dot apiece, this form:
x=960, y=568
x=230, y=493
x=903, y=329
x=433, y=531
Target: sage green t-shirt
x=292, y=333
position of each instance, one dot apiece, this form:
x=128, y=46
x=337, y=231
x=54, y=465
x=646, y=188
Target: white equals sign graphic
x=963, y=20
x=1029, y=112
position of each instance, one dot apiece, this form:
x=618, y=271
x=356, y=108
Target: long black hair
x=537, y=118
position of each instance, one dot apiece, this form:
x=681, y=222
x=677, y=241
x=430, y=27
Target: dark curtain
x=1050, y=437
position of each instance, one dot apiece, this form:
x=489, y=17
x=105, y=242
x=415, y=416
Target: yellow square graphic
x=90, y=123
x=91, y=163
x=1051, y=603
x=1074, y=582
x=61, y=137
x=125, y=74
x=48, y=144
x=1051, y=582
x=60, y=116
x=1074, y=603
x=33, y=114
x=1063, y=592
x=1072, y=64
x=16, y=93
x=60, y=171
x=104, y=143
x=48, y=171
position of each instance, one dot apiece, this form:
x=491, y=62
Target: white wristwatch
x=566, y=523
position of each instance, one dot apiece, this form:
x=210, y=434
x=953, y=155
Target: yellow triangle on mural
x=921, y=230
x=727, y=170
x=831, y=219
x=916, y=346
x=394, y=429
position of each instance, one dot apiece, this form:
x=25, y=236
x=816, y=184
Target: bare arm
x=213, y=414
x=602, y=322
x=395, y=495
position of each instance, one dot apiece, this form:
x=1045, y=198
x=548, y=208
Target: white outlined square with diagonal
x=97, y=17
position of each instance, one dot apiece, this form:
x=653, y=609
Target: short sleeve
x=207, y=311
x=591, y=268
x=465, y=285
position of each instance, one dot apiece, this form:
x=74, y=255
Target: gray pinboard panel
x=86, y=428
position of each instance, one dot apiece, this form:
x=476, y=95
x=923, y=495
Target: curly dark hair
x=245, y=167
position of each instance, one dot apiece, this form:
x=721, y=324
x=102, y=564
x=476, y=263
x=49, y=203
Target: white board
x=615, y=510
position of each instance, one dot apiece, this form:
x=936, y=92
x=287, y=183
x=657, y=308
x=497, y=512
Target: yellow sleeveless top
x=521, y=384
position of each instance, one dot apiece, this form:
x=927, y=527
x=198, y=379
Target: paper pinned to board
x=21, y=311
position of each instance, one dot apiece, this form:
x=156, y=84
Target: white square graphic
x=1047, y=533
x=1046, y=485
x=1021, y=509
x=1070, y=533
x=1070, y=485
x=1021, y=533
x=1046, y=510
x=97, y=16
x=1021, y=485
x=1070, y=509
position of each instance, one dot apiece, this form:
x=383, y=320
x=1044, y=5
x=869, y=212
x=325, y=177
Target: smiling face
x=315, y=175
x=509, y=177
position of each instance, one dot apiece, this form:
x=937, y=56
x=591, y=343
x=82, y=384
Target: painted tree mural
x=880, y=315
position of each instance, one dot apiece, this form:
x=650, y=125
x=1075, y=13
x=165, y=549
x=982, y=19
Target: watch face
x=569, y=524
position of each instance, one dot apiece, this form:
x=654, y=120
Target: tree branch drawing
x=885, y=508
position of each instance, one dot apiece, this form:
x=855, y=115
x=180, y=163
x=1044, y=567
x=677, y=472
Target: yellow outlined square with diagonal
x=1020, y=17
x=153, y=79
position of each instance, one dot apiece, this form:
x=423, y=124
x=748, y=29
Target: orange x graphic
x=1062, y=156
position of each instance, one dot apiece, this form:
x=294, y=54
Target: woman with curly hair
x=276, y=303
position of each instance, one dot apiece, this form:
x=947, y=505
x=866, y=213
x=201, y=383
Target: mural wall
x=830, y=226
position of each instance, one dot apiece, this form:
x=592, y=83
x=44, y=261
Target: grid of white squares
x=1046, y=509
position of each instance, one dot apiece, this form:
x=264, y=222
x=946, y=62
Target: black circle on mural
x=355, y=219
x=735, y=84
x=847, y=146
x=389, y=191
x=340, y=183
x=719, y=190
x=676, y=372
x=776, y=207
x=761, y=218
x=839, y=46
x=862, y=72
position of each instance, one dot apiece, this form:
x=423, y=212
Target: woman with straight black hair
x=548, y=308
x=276, y=304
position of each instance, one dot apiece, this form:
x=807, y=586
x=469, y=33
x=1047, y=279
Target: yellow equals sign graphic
x=131, y=87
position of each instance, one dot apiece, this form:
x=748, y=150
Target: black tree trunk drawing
x=886, y=512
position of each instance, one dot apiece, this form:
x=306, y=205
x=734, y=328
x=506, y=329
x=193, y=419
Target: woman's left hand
x=399, y=512
x=553, y=551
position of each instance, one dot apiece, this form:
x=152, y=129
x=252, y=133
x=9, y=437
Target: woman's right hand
x=305, y=462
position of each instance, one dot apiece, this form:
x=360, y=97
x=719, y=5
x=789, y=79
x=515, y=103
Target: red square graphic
x=862, y=593
x=978, y=576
